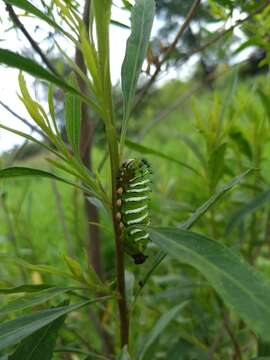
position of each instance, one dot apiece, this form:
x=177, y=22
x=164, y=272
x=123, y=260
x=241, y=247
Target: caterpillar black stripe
x=134, y=187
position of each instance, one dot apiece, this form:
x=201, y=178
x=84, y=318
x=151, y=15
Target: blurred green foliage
x=220, y=134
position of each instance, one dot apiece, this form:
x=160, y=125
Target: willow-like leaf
x=142, y=17
x=240, y=286
x=11, y=332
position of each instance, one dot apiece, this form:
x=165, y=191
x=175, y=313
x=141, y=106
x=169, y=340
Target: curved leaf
x=25, y=289
x=31, y=9
x=142, y=18
x=146, y=150
x=212, y=200
x=73, y=120
x=15, y=171
x=248, y=208
x=39, y=345
x=11, y=332
x=17, y=61
x=124, y=355
x=193, y=219
x=30, y=301
x=160, y=326
x=245, y=290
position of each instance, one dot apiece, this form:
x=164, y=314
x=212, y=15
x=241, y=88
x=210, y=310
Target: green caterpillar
x=134, y=187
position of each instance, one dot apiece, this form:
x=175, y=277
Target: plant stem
x=120, y=265
x=86, y=142
x=112, y=141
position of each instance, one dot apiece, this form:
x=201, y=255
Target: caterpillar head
x=139, y=258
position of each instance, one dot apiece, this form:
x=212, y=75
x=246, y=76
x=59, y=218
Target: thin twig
x=157, y=118
x=214, y=39
x=216, y=342
x=86, y=141
x=33, y=43
x=26, y=122
x=160, y=115
x=221, y=34
x=237, y=348
x=169, y=50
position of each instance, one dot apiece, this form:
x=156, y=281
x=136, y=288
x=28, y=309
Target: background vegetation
x=207, y=139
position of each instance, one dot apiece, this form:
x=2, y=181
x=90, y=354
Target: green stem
x=120, y=265
x=102, y=18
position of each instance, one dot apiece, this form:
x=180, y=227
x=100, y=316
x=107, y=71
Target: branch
x=33, y=43
x=236, y=346
x=221, y=34
x=159, y=116
x=219, y=336
x=26, y=122
x=214, y=39
x=169, y=50
x=86, y=141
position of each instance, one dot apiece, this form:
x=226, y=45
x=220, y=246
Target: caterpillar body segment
x=134, y=187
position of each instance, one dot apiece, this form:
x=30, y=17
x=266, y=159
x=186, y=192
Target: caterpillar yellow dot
x=118, y=216
x=121, y=225
x=119, y=202
x=120, y=191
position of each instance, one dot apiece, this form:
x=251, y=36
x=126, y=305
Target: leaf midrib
x=40, y=340
x=135, y=68
x=211, y=265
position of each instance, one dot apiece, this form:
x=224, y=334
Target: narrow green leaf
x=119, y=24
x=91, y=99
x=146, y=150
x=51, y=108
x=129, y=286
x=124, y=355
x=39, y=345
x=242, y=288
x=253, y=41
x=31, y=9
x=102, y=11
x=13, y=331
x=157, y=330
x=40, y=268
x=91, y=355
x=97, y=203
x=216, y=165
x=241, y=142
x=13, y=172
x=265, y=101
x=75, y=268
x=25, y=289
x=30, y=301
x=30, y=138
x=193, y=219
x=17, y=61
x=127, y=5
x=248, y=208
x=212, y=200
x=73, y=120
x=95, y=356
x=142, y=18
x=194, y=148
